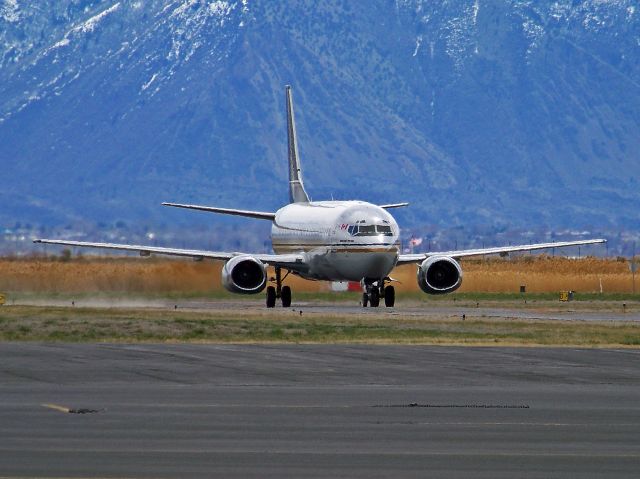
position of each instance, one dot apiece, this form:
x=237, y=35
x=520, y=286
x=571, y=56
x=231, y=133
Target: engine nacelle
x=244, y=274
x=439, y=275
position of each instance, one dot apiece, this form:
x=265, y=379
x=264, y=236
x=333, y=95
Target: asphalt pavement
x=183, y=411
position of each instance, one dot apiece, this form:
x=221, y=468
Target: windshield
x=370, y=230
x=384, y=229
x=364, y=230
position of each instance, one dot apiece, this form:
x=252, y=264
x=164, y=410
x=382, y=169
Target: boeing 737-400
x=329, y=241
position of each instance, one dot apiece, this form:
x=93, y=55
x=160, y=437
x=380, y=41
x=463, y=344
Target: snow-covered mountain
x=502, y=112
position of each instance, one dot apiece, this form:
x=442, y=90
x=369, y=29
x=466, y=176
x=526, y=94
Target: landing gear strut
x=279, y=291
x=375, y=290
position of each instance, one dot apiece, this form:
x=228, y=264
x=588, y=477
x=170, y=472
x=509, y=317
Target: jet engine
x=439, y=275
x=244, y=274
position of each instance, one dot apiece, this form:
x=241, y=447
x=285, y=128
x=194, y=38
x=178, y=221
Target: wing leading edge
x=457, y=254
x=289, y=261
x=262, y=215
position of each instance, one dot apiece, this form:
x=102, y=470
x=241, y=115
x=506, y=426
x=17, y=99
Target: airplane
x=327, y=241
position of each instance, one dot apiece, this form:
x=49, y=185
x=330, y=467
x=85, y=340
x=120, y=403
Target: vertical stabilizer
x=297, y=193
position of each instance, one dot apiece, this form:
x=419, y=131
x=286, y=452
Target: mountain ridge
x=507, y=113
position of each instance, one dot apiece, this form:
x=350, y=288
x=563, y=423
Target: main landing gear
x=376, y=290
x=279, y=291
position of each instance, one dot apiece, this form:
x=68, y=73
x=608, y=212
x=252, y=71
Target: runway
x=181, y=411
x=532, y=311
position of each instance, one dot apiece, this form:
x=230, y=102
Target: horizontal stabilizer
x=394, y=205
x=262, y=215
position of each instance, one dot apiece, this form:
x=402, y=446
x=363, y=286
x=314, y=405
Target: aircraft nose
x=388, y=243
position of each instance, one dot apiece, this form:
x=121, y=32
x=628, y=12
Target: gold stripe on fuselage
x=334, y=248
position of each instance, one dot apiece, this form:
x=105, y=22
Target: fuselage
x=340, y=240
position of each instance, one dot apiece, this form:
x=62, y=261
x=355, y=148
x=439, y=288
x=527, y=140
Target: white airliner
x=327, y=240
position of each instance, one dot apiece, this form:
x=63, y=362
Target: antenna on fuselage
x=297, y=193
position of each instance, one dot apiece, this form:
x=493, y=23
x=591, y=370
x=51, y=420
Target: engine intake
x=439, y=275
x=244, y=274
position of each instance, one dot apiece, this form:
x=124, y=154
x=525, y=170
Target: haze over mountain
x=501, y=113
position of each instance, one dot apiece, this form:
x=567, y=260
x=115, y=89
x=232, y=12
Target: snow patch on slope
x=62, y=43
x=151, y=80
x=10, y=11
x=193, y=18
x=418, y=43
x=533, y=33
x=84, y=27
x=460, y=40
x=91, y=24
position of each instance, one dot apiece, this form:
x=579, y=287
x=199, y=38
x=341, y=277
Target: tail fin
x=297, y=193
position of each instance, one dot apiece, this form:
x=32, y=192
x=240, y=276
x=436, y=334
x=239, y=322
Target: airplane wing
x=394, y=205
x=292, y=261
x=263, y=215
x=457, y=254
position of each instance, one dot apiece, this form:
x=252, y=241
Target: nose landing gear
x=279, y=291
x=375, y=290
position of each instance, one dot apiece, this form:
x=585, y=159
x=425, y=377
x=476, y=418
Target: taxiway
x=167, y=410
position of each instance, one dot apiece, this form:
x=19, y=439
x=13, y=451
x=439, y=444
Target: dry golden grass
x=158, y=275
x=119, y=275
x=540, y=274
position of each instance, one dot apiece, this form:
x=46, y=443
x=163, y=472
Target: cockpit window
x=369, y=230
x=384, y=229
x=366, y=230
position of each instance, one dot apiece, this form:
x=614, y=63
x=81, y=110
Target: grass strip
x=28, y=323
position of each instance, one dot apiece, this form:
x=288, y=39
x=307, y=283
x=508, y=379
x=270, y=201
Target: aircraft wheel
x=285, y=295
x=271, y=297
x=374, y=297
x=365, y=300
x=389, y=296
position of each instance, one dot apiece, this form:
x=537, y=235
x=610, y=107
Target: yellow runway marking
x=56, y=407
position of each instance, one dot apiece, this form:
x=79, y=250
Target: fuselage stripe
x=336, y=249
x=276, y=245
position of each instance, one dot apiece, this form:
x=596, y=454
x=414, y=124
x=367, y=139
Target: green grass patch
x=22, y=323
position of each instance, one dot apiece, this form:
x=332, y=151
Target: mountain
x=509, y=113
